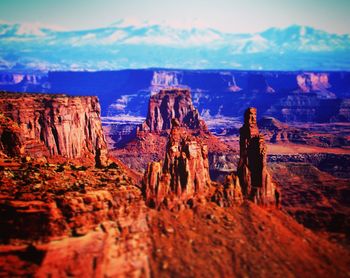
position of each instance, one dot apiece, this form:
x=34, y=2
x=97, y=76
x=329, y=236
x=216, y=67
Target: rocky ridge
x=278, y=132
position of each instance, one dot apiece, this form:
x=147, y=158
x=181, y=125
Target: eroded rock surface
x=252, y=167
x=230, y=193
x=169, y=104
x=152, y=134
x=59, y=220
x=52, y=125
x=184, y=173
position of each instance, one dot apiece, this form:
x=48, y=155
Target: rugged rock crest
x=49, y=125
x=230, y=193
x=184, y=173
x=169, y=104
x=252, y=167
x=59, y=220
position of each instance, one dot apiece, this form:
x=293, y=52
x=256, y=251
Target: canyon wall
x=50, y=125
x=214, y=92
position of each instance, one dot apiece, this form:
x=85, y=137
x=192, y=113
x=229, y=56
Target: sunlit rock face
x=169, y=104
x=252, y=167
x=51, y=125
x=308, y=82
x=184, y=175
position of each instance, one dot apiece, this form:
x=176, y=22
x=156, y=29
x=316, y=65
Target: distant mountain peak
x=135, y=43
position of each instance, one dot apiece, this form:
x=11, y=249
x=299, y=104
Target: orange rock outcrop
x=169, y=104
x=184, y=174
x=52, y=125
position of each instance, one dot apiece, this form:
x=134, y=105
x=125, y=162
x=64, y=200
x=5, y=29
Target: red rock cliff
x=252, y=167
x=71, y=220
x=169, y=104
x=53, y=125
x=184, y=174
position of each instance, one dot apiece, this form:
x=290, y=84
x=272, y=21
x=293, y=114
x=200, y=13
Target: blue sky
x=226, y=15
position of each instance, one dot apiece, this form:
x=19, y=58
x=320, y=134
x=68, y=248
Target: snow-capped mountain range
x=122, y=45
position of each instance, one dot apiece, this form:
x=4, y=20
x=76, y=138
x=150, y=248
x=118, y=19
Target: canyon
x=175, y=200
x=302, y=94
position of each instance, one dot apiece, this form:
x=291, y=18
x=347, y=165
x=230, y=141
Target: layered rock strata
x=169, y=104
x=252, y=166
x=184, y=174
x=52, y=125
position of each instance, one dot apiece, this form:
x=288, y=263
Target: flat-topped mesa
x=184, y=174
x=53, y=125
x=169, y=104
x=252, y=167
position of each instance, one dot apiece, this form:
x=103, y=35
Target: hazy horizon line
x=124, y=23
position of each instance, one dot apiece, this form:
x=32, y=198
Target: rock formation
x=230, y=193
x=252, y=167
x=184, y=173
x=52, y=125
x=329, y=136
x=278, y=132
x=11, y=142
x=62, y=220
x=310, y=81
x=151, y=135
x=169, y=104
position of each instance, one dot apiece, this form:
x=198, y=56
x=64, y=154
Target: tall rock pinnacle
x=252, y=167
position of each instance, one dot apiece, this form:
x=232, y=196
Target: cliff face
x=184, y=174
x=169, y=104
x=313, y=82
x=252, y=167
x=54, y=125
x=297, y=107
